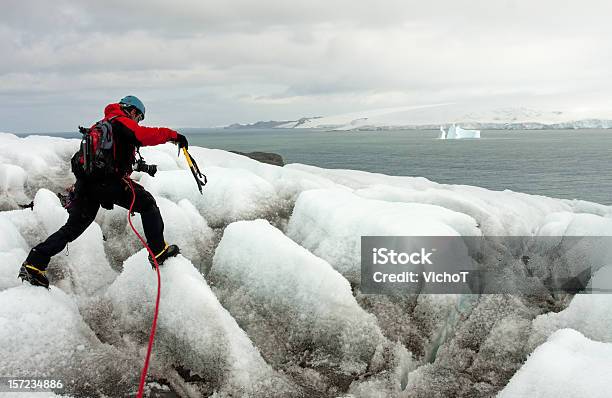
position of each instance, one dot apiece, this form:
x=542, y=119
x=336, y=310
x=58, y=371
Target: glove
x=181, y=141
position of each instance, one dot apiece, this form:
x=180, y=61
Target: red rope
x=145, y=368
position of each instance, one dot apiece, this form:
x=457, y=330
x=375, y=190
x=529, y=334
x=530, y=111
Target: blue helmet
x=131, y=100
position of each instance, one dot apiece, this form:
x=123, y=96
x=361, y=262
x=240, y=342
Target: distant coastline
x=299, y=124
x=431, y=117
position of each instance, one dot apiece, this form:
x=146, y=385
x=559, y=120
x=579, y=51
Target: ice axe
x=195, y=170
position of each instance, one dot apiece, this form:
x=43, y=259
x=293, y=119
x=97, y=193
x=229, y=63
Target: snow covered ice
x=27, y=164
x=34, y=319
x=330, y=223
x=568, y=365
x=264, y=299
x=290, y=300
x=44, y=335
x=236, y=195
x=194, y=330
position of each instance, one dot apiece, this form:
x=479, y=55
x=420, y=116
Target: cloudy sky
x=214, y=62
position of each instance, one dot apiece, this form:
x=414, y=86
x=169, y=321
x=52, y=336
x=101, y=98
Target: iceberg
x=457, y=133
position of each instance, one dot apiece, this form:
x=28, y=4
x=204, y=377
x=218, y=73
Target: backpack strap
x=113, y=138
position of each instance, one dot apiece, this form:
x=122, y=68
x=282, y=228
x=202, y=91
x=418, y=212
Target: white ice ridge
x=498, y=213
x=568, y=365
x=287, y=182
x=285, y=294
x=42, y=333
x=236, y=194
x=27, y=164
x=194, y=330
x=239, y=188
x=330, y=224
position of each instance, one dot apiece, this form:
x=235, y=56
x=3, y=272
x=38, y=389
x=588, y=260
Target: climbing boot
x=34, y=275
x=167, y=252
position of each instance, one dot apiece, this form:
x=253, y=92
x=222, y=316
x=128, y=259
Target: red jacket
x=128, y=136
x=146, y=136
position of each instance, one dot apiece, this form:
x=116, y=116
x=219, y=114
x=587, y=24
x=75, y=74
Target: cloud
x=276, y=59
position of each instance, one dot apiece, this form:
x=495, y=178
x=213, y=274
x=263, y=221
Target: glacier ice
x=194, y=330
x=498, y=213
x=34, y=319
x=294, y=304
x=257, y=307
x=233, y=194
x=28, y=164
x=590, y=314
x=482, y=354
x=44, y=335
x=287, y=182
x=330, y=223
x=567, y=365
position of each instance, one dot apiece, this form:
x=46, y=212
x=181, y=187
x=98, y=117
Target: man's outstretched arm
x=148, y=136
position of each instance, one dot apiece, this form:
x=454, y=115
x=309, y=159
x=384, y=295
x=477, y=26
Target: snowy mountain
x=258, y=125
x=272, y=124
x=470, y=116
x=265, y=301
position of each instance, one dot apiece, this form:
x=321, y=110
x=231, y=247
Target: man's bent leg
x=145, y=205
x=80, y=217
x=152, y=221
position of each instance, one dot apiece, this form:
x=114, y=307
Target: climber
x=102, y=168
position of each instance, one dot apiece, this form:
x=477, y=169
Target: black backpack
x=96, y=156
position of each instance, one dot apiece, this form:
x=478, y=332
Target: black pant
x=90, y=195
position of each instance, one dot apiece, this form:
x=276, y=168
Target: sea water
x=571, y=164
